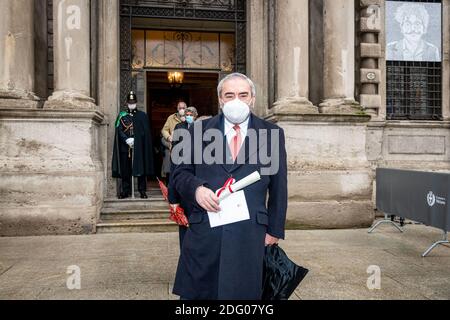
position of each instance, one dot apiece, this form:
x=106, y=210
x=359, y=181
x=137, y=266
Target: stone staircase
x=136, y=215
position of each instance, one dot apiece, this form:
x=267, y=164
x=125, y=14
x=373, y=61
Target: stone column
x=292, y=58
x=17, y=54
x=257, y=52
x=71, y=50
x=339, y=57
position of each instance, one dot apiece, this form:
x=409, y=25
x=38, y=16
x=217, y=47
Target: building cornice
x=55, y=115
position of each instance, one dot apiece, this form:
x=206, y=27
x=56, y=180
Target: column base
x=70, y=100
x=340, y=106
x=64, y=193
x=18, y=99
x=19, y=104
x=291, y=106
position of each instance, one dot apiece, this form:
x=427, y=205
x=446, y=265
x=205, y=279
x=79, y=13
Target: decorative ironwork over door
x=206, y=10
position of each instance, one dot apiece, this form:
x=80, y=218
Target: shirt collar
x=229, y=126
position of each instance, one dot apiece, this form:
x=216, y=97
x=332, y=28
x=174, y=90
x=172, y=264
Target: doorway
x=190, y=20
x=199, y=90
x=206, y=40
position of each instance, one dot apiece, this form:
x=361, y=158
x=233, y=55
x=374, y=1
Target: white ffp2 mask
x=236, y=111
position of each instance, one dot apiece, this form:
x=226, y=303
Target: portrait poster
x=413, y=31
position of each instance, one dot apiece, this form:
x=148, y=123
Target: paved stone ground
x=142, y=266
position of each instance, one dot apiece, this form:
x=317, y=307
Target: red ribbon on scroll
x=227, y=185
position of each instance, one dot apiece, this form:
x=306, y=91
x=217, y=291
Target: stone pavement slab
x=142, y=266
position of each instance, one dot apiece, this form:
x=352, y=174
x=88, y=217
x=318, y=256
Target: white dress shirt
x=230, y=133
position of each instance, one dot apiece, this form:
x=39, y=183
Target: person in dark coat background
x=174, y=197
x=226, y=262
x=165, y=165
x=132, y=154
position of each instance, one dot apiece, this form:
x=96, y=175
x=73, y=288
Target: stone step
x=135, y=204
x=136, y=226
x=136, y=215
x=108, y=214
x=151, y=197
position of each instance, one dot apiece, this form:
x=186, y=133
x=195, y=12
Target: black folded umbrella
x=281, y=275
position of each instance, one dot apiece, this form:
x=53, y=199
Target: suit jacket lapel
x=255, y=125
x=218, y=123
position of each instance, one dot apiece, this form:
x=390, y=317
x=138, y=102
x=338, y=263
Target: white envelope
x=234, y=209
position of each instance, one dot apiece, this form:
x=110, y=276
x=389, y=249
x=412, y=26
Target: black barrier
x=415, y=195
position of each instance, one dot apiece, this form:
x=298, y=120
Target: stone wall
x=51, y=177
x=51, y=171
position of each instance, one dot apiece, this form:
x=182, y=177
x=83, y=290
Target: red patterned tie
x=236, y=142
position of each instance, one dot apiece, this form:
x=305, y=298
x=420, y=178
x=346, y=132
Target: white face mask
x=132, y=106
x=181, y=112
x=236, y=111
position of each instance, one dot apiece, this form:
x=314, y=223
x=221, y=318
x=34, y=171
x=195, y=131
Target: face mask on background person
x=132, y=106
x=190, y=119
x=236, y=111
x=181, y=112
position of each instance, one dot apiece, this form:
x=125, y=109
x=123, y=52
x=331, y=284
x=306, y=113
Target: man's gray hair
x=234, y=76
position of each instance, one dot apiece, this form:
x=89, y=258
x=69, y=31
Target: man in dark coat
x=132, y=154
x=226, y=262
x=174, y=198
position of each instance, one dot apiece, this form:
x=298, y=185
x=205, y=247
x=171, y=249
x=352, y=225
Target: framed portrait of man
x=413, y=31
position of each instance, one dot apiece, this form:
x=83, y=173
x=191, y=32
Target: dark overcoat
x=143, y=149
x=226, y=263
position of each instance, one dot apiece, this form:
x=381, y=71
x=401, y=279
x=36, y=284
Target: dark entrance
x=203, y=39
x=198, y=90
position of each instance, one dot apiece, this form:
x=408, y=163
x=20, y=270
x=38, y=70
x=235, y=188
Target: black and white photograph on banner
x=414, y=31
x=224, y=158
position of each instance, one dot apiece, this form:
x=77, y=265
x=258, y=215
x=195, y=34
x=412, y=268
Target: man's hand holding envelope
x=228, y=205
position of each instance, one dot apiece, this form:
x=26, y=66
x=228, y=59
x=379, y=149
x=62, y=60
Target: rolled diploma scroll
x=239, y=185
